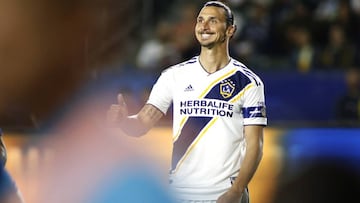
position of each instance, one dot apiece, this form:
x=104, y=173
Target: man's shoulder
x=242, y=67
x=238, y=64
x=246, y=72
x=182, y=65
x=188, y=62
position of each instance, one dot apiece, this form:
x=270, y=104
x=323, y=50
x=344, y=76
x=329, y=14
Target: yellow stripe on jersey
x=241, y=93
x=211, y=123
x=216, y=81
x=182, y=123
x=191, y=147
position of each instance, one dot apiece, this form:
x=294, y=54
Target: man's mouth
x=205, y=35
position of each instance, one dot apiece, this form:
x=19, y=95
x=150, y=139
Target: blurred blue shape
x=310, y=145
x=291, y=96
x=131, y=184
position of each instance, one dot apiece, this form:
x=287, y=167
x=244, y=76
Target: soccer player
x=218, y=115
x=9, y=193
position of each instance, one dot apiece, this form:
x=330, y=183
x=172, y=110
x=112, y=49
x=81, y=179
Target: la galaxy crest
x=227, y=88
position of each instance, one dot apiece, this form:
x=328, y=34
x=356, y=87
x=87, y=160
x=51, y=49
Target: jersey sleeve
x=254, y=109
x=161, y=95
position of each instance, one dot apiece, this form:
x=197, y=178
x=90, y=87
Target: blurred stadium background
x=64, y=62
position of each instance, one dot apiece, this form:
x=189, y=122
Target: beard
x=208, y=45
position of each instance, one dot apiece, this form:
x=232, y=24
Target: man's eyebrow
x=211, y=17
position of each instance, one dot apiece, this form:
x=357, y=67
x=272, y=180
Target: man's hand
x=230, y=197
x=117, y=112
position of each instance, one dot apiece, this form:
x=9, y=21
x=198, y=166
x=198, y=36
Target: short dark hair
x=228, y=13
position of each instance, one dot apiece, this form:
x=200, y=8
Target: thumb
x=121, y=99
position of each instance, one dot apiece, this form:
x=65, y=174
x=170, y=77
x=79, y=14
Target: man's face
x=211, y=28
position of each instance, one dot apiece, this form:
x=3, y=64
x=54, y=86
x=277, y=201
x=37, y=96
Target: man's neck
x=213, y=60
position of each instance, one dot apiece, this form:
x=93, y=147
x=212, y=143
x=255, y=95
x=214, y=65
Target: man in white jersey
x=219, y=115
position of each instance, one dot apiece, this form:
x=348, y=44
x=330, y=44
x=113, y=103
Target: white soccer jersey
x=209, y=113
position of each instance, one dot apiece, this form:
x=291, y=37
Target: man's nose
x=205, y=26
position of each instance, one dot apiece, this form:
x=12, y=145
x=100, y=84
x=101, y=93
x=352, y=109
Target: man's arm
x=135, y=125
x=254, y=151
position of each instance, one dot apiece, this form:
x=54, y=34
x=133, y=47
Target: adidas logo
x=189, y=88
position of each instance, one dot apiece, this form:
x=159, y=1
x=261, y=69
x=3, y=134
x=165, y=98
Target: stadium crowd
x=272, y=34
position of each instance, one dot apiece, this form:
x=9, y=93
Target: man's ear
x=231, y=30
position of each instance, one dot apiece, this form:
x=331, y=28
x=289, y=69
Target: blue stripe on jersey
x=189, y=132
x=239, y=81
x=194, y=125
x=254, y=112
x=248, y=73
x=190, y=61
